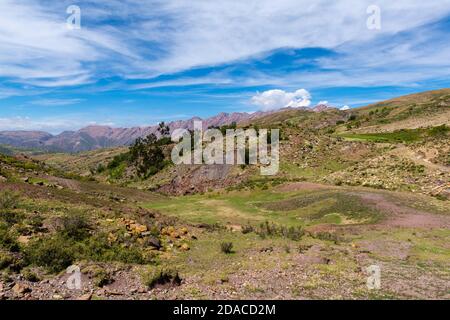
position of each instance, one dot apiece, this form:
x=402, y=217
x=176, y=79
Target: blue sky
x=135, y=63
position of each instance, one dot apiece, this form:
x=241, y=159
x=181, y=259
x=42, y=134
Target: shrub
x=100, y=276
x=439, y=131
x=6, y=259
x=11, y=217
x=100, y=168
x=161, y=276
x=36, y=222
x=115, y=162
x=8, y=200
x=29, y=275
x=8, y=240
x=295, y=233
x=326, y=236
x=98, y=248
x=247, y=229
x=226, y=247
x=118, y=172
x=55, y=254
x=75, y=225
x=270, y=229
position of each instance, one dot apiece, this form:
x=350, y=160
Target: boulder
x=21, y=289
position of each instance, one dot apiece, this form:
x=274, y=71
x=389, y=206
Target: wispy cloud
x=48, y=124
x=152, y=37
x=174, y=54
x=55, y=102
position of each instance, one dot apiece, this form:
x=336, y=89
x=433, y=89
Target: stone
x=154, y=242
x=20, y=289
x=184, y=247
x=138, y=228
x=85, y=297
x=174, y=235
x=23, y=239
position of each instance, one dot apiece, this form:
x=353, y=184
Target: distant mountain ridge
x=97, y=137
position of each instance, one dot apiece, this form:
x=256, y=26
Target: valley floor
x=294, y=241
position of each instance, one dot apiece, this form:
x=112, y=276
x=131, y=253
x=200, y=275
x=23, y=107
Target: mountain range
x=96, y=137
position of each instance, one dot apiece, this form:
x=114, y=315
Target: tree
x=147, y=156
x=163, y=129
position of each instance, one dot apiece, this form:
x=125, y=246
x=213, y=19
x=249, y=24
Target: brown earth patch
x=298, y=186
x=403, y=216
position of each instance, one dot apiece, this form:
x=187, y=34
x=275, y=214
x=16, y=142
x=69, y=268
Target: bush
x=247, y=229
x=326, y=236
x=440, y=131
x=36, y=222
x=55, y=254
x=8, y=200
x=11, y=217
x=8, y=240
x=30, y=275
x=295, y=233
x=6, y=259
x=75, y=225
x=270, y=229
x=98, y=248
x=226, y=247
x=161, y=276
x=115, y=162
x=100, y=276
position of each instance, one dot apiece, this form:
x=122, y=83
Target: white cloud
x=344, y=108
x=276, y=99
x=47, y=124
x=323, y=102
x=161, y=37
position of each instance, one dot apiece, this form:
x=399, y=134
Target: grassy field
x=299, y=208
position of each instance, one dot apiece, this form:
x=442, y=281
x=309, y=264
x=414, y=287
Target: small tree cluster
x=147, y=156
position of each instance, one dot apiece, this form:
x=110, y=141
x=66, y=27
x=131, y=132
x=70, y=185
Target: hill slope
x=350, y=147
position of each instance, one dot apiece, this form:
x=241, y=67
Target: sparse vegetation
x=226, y=247
x=8, y=200
x=160, y=277
x=327, y=214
